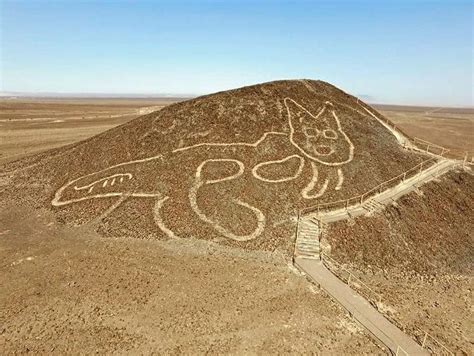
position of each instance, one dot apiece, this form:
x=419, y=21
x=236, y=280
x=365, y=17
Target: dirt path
x=383, y=330
x=360, y=309
x=388, y=196
x=66, y=290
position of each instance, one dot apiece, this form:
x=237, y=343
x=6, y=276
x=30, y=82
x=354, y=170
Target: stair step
x=308, y=253
x=309, y=257
x=312, y=248
x=310, y=245
x=308, y=250
x=372, y=205
x=308, y=242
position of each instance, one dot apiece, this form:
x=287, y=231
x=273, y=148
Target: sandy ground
x=449, y=127
x=417, y=254
x=68, y=291
x=28, y=126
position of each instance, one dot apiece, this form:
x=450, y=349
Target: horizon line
x=103, y=95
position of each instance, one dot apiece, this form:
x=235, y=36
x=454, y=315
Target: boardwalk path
x=380, y=327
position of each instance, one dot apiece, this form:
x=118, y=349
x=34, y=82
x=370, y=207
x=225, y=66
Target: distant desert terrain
x=452, y=128
x=31, y=125
x=96, y=277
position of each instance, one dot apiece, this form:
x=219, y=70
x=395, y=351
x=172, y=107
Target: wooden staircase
x=307, y=239
x=372, y=206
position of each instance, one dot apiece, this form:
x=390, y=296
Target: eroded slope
x=232, y=166
x=421, y=246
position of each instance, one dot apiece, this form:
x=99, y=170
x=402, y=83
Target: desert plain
x=68, y=290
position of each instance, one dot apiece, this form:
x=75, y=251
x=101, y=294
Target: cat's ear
x=329, y=117
x=296, y=113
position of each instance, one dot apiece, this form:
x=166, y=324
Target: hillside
x=231, y=167
x=420, y=246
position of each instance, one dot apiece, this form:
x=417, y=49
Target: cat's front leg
x=322, y=180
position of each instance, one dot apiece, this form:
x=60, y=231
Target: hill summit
x=234, y=166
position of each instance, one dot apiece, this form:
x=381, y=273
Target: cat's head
x=319, y=136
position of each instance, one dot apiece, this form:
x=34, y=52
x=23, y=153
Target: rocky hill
x=419, y=246
x=233, y=166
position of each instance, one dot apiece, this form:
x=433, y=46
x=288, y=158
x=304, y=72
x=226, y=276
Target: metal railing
x=432, y=343
x=296, y=232
x=400, y=351
x=373, y=297
x=359, y=199
x=429, y=147
x=348, y=277
x=424, y=339
x=437, y=150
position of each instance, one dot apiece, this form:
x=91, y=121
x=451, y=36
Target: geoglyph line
x=199, y=181
x=306, y=190
x=159, y=220
x=280, y=180
x=254, y=144
x=91, y=185
x=212, y=181
x=340, y=179
x=292, y=133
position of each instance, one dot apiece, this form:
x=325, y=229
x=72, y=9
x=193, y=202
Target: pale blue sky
x=404, y=52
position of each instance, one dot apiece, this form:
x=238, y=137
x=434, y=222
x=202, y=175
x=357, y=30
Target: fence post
x=424, y=340
x=297, y=223
x=349, y=279
x=404, y=176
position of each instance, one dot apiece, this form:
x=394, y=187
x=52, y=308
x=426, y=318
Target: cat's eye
x=311, y=131
x=331, y=134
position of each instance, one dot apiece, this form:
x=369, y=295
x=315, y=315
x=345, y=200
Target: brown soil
x=421, y=246
x=30, y=126
x=241, y=115
x=452, y=128
x=68, y=291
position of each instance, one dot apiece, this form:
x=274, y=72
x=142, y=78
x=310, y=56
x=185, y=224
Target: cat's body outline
x=298, y=118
